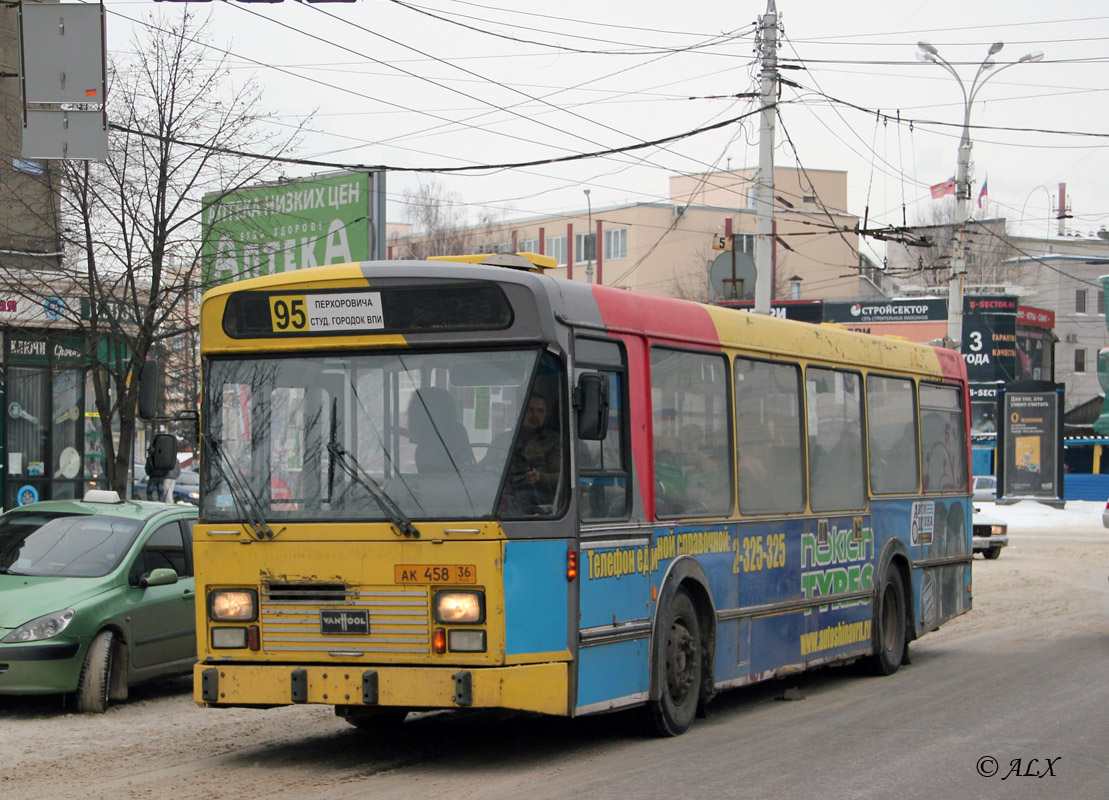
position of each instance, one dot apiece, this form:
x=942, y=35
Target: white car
x=985, y=488
x=988, y=535
x=1105, y=515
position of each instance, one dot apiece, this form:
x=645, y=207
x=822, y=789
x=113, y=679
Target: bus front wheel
x=675, y=669
x=889, y=625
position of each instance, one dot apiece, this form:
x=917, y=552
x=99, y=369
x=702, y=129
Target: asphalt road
x=1007, y=702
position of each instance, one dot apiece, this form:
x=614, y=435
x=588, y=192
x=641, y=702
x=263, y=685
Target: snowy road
x=1021, y=677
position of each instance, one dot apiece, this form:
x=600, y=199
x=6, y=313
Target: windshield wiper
x=250, y=507
x=339, y=456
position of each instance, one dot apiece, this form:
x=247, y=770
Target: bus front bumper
x=530, y=687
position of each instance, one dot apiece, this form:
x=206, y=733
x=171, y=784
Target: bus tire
x=889, y=624
x=676, y=669
x=92, y=687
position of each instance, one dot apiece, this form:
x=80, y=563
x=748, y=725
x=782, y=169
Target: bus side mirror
x=148, y=389
x=591, y=402
x=163, y=451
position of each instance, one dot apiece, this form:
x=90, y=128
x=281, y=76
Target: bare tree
x=691, y=280
x=928, y=264
x=441, y=225
x=131, y=224
x=438, y=222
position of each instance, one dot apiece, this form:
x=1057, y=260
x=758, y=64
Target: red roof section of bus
x=952, y=364
x=663, y=316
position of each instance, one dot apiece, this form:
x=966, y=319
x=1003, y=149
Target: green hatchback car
x=96, y=595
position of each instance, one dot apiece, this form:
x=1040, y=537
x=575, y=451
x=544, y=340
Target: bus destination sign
x=453, y=306
x=326, y=313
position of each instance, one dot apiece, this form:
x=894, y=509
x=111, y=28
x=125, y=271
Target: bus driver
x=536, y=465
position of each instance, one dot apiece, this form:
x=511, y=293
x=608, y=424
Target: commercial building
x=50, y=441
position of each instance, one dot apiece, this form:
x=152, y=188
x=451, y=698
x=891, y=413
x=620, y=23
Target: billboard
x=918, y=319
x=869, y=312
x=1030, y=442
x=264, y=230
x=990, y=337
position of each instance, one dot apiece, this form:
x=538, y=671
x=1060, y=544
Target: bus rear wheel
x=675, y=669
x=889, y=625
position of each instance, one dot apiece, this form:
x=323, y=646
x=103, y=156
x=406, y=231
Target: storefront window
x=45, y=432
x=26, y=421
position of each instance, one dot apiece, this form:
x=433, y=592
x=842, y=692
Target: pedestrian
x=154, y=477
x=171, y=481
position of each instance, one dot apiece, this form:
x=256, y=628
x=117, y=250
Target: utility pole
x=378, y=250
x=764, y=205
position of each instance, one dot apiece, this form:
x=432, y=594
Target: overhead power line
x=642, y=51
x=911, y=121
x=472, y=168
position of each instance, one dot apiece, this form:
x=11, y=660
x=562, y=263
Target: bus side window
x=834, y=402
x=603, y=475
x=891, y=434
x=769, y=437
x=690, y=415
x=943, y=439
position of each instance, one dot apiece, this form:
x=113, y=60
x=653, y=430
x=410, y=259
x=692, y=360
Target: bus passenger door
x=615, y=608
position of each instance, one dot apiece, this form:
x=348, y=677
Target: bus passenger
x=705, y=469
x=442, y=444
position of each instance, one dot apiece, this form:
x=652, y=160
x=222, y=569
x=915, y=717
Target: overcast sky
x=446, y=83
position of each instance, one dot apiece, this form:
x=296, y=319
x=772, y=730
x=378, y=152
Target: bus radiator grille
x=383, y=619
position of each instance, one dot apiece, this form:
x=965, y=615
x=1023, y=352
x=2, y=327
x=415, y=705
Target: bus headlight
x=460, y=607
x=233, y=605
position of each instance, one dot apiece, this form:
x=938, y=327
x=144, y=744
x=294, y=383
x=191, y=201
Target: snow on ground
x=1029, y=515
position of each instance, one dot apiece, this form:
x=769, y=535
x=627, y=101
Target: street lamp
x=962, y=179
x=588, y=232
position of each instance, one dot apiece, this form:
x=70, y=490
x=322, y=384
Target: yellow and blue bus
x=451, y=485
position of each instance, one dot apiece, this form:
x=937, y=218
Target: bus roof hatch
x=532, y=262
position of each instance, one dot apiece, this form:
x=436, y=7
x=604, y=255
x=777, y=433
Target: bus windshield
x=383, y=436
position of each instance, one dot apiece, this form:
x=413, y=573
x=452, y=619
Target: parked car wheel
x=991, y=553
x=92, y=690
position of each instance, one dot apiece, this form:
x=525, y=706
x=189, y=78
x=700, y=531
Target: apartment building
x=670, y=247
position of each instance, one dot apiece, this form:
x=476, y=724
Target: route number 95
x=288, y=314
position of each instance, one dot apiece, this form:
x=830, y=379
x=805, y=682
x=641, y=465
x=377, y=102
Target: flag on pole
x=945, y=188
x=982, y=192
